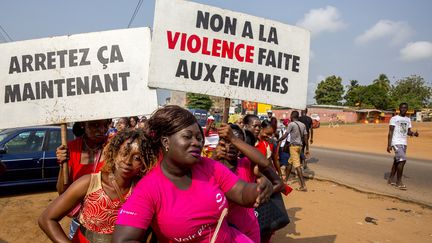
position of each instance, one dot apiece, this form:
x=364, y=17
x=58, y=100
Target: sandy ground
x=326, y=213
x=332, y=213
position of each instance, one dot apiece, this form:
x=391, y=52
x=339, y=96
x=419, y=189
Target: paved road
x=369, y=172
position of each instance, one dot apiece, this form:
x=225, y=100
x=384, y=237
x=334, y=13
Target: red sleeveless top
x=99, y=212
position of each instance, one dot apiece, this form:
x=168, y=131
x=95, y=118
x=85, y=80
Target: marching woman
x=127, y=159
x=185, y=197
x=230, y=147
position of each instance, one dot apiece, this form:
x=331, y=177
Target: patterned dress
x=99, y=212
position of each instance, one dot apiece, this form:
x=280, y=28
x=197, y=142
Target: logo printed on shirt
x=404, y=128
x=122, y=211
x=219, y=198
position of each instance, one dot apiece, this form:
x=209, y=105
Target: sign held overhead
x=224, y=53
x=76, y=78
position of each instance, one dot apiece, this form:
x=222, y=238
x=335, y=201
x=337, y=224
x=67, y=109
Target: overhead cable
x=10, y=39
x=137, y=8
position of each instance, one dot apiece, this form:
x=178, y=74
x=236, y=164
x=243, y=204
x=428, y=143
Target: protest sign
x=208, y=50
x=75, y=78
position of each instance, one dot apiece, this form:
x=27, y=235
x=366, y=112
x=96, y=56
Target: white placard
x=208, y=50
x=75, y=78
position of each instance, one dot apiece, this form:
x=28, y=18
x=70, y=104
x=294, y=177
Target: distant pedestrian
x=272, y=120
x=133, y=121
x=307, y=121
x=399, y=129
x=122, y=123
x=284, y=150
x=142, y=122
x=298, y=133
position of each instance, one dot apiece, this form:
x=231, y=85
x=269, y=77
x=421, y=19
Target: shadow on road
x=387, y=175
x=291, y=228
x=313, y=160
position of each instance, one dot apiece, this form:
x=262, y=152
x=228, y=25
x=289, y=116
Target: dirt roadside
x=332, y=213
x=326, y=213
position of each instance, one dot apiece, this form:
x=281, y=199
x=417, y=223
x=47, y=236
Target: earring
x=166, y=148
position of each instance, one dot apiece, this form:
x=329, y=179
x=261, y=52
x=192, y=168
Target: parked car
x=315, y=120
x=28, y=155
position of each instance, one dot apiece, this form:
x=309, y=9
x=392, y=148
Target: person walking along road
x=299, y=135
x=307, y=121
x=399, y=129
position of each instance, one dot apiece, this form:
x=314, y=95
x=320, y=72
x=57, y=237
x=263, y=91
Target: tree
x=198, y=101
x=412, y=90
x=375, y=95
x=352, y=96
x=329, y=91
x=383, y=82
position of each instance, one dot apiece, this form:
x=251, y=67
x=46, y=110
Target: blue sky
x=351, y=39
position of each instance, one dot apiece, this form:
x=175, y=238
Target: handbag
x=272, y=215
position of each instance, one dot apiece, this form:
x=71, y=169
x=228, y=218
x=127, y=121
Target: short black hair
x=403, y=103
x=265, y=124
x=249, y=118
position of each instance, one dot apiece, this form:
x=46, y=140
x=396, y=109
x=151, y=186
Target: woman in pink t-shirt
x=185, y=195
x=228, y=151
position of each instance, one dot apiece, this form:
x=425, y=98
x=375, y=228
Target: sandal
x=401, y=187
x=301, y=189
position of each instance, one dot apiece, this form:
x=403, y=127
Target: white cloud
x=322, y=20
x=414, y=51
x=396, y=32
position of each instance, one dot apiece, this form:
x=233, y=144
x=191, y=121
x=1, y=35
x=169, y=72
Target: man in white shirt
x=399, y=129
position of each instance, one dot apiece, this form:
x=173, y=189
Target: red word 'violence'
x=212, y=47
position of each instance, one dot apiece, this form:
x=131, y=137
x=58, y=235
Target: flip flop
x=401, y=187
x=301, y=189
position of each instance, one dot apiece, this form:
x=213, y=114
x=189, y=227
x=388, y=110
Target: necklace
x=116, y=187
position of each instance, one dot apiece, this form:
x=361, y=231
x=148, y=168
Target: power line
x=10, y=39
x=137, y=8
x=2, y=37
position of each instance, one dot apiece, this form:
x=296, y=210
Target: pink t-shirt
x=244, y=218
x=177, y=215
